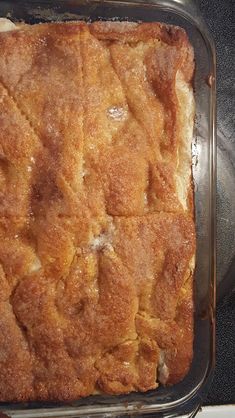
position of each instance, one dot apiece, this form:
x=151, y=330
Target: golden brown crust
x=96, y=241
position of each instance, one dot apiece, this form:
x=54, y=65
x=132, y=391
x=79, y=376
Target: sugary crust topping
x=96, y=211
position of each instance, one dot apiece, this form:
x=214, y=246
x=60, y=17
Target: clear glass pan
x=185, y=397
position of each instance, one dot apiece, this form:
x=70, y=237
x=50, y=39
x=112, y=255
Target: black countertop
x=220, y=17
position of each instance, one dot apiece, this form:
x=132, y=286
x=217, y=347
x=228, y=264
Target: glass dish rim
x=171, y=6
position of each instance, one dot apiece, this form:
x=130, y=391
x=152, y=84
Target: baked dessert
x=97, y=235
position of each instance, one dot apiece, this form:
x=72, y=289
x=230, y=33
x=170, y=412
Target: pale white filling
x=117, y=113
x=35, y=266
x=85, y=172
x=163, y=371
x=6, y=25
x=192, y=263
x=186, y=113
x=99, y=242
x=104, y=240
x=145, y=198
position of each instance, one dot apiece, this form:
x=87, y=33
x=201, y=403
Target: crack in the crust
x=6, y=276
x=22, y=112
x=131, y=108
x=148, y=316
x=72, y=264
x=181, y=298
x=112, y=349
x=24, y=333
x=150, y=213
x=16, y=283
x=4, y=272
x=121, y=129
x=23, y=75
x=131, y=273
x=98, y=274
x=21, y=326
x=147, y=190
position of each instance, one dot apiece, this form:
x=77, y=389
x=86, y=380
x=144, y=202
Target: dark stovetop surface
x=220, y=17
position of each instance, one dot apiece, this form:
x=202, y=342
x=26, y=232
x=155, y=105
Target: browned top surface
x=95, y=246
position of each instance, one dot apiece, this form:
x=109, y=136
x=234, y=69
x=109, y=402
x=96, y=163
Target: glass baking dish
x=184, y=398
